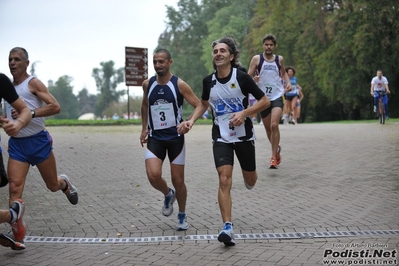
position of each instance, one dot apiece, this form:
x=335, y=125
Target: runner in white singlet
x=267, y=69
x=227, y=92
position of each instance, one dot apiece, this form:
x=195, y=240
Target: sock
x=13, y=216
x=170, y=193
x=228, y=223
x=66, y=187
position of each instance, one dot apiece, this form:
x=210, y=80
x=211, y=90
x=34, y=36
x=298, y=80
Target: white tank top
x=33, y=102
x=270, y=81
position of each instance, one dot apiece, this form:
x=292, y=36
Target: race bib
x=230, y=133
x=270, y=90
x=163, y=116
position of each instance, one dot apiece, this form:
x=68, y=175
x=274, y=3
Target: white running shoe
x=167, y=207
x=182, y=222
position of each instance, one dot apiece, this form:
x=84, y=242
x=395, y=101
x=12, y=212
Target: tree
x=336, y=46
x=333, y=45
x=107, y=79
x=183, y=37
x=63, y=92
x=233, y=19
x=86, y=102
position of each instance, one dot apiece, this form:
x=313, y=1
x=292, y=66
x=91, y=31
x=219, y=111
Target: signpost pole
x=128, y=100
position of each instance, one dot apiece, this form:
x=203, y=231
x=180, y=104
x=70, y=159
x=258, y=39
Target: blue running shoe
x=167, y=207
x=227, y=235
x=182, y=222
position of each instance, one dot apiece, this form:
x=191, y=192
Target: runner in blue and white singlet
x=162, y=112
x=166, y=109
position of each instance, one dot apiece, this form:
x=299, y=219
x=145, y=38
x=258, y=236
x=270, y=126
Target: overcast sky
x=71, y=37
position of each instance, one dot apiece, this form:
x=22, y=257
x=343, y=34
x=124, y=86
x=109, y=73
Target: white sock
x=13, y=216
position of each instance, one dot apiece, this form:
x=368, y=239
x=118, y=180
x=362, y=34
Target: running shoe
x=273, y=163
x=71, y=192
x=182, y=222
x=18, y=227
x=248, y=186
x=278, y=157
x=285, y=119
x=227, y=235
x=375, y=109
x=167, y=207
x=7, y=240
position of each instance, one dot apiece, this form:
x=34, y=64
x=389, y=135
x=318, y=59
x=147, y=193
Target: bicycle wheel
x=381, y=111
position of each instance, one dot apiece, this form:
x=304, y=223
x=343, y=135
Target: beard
x=160, y=73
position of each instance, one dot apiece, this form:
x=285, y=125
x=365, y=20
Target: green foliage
x=183, y=38
x=63, y=93
x=336, y=48
x=234, y=20
x=86, y=102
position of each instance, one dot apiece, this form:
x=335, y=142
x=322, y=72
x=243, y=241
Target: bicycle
x=381, y=107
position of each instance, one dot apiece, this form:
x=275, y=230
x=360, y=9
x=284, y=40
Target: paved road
x=337, y=189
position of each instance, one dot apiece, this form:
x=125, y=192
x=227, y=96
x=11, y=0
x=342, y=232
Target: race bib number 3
x=163, y=116
x=227, y=132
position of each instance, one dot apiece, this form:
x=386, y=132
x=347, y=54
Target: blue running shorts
x=33, y=149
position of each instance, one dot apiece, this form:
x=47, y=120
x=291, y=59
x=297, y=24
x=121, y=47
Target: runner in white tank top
x=33, y=146
x=268, y=71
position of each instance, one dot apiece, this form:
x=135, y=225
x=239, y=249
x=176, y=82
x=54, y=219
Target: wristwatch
x=33, y=113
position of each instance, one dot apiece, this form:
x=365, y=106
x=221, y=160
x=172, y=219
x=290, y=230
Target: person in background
x=268, y=71
x=205, y=115
x=33, y=144
x=162, y=112
x=115, y=116
x=226, y=91
x=380, y=84
x=291, y=97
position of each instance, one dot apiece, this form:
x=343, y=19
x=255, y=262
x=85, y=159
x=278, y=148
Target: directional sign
x=136, y=65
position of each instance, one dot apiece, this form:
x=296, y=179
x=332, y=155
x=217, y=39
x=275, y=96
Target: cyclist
x=380, y=83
